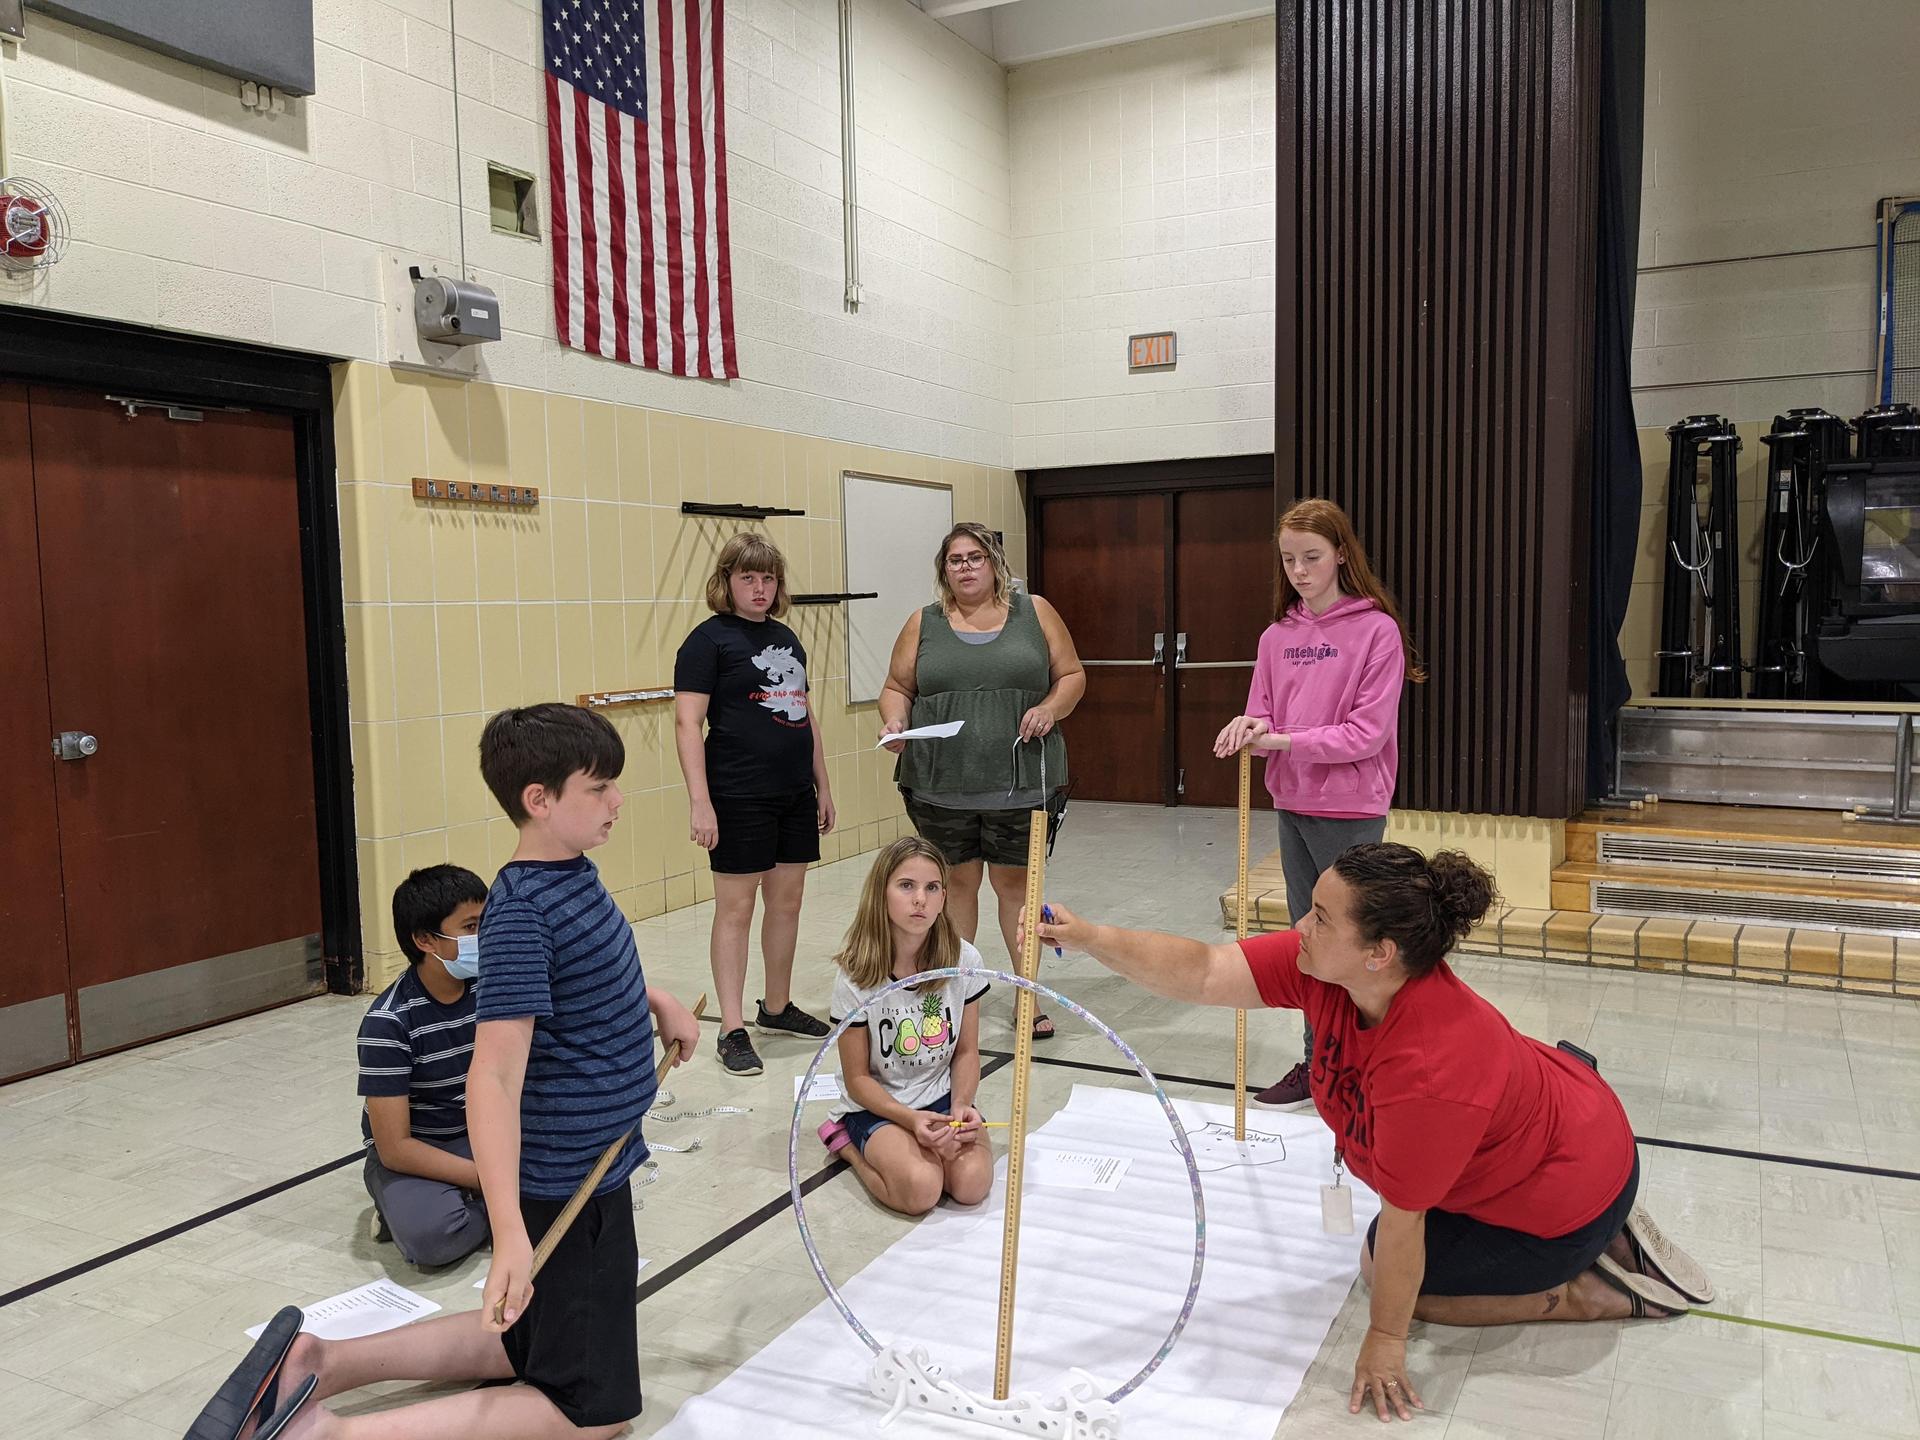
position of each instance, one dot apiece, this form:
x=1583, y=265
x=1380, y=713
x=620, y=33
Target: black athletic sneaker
x=791, y=1021
x=736, y=1053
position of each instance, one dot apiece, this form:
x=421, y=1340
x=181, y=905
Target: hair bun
x=1462, y=892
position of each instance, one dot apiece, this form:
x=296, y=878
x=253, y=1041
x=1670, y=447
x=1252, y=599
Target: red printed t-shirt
x=1445, y=1106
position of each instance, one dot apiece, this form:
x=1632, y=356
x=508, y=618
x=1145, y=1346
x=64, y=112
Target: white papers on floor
x=1073, y=1170
x=945, y=730
x=1102, y=1275
x=481, y=1283
x=372, y=1308
x=824, y=1087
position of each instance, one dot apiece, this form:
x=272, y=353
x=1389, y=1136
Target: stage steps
x=1744, y=866
x=1791, y=897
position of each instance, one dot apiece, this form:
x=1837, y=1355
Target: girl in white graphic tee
x=910, y=1062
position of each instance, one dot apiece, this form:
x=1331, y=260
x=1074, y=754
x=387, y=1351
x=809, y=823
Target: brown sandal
x=1659, y=1257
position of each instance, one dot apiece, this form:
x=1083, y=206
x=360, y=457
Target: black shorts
x=1470, y=1257
x=579, y=1343
x=758, y=832
x=997, y=836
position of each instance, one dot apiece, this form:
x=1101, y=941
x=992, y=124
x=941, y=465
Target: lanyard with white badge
x=1336, y=1200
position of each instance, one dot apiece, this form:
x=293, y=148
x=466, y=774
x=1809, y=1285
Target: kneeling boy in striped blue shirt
x=562, y=1066
x=415, y=1045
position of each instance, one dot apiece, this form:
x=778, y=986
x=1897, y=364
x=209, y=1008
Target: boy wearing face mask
x=415, y=1045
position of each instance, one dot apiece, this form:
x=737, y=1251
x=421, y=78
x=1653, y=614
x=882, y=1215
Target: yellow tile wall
x=454, y=612
x=1521, y=853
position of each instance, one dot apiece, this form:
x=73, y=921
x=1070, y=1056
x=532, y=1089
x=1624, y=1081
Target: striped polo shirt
x=555, y=947
x=412, y=1045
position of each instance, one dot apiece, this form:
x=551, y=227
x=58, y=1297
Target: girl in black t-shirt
x=757, y=784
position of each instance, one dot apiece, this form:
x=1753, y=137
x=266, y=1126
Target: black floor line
x=740, y=1229
x=685, y=1265
x=1843, y=1166
x=147, y=1242
x=737, y=1231
x=1126, y=1070
x=779, y=1205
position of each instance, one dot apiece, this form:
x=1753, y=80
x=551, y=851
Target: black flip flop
x=253, y=1384
x=283, y=1417
x=1046, y=1034
x=1644, y=1293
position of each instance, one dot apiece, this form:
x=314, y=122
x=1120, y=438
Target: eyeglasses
x=966, y=562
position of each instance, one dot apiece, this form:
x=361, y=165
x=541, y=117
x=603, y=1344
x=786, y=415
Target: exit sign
x=1150, y=352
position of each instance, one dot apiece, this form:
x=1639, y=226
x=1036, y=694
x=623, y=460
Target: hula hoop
x=1055, y=997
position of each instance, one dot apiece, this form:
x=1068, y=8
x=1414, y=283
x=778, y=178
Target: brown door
x=33, y=974
x=1223, y=599
x=1105, y=567
x=1166, y=592
x=170, y=577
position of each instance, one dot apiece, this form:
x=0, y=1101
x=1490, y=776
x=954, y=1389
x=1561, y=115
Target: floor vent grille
x=1870, y=917
x=1835, y=862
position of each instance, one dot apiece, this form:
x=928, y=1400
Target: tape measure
x=1029, y=969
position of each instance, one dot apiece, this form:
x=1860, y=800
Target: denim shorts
x=862, y=1123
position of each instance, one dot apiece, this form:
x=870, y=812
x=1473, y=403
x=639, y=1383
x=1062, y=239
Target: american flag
x=637, y=182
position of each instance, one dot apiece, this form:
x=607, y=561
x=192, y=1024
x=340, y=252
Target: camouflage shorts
x=997, y=836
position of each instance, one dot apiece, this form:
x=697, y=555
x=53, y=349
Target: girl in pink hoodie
x=1324, y=709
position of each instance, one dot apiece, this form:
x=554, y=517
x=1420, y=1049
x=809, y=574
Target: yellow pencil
x=988, y=1124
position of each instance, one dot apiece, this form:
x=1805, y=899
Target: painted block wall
x=193, y=213
x=1773, y=129
x=1143, y=200
x=454, y=612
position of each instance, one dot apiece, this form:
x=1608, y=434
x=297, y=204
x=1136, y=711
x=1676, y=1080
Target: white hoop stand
x=906, y=1378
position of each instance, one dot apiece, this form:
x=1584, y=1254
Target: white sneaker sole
x=1304, y=1102
x=792, y=1034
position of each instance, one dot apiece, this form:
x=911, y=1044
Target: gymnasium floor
x=221, y=1170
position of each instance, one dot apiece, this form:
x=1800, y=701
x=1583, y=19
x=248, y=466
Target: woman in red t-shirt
x=1506, y=1168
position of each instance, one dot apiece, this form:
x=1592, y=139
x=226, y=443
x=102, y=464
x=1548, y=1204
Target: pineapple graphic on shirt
x=929, y=1032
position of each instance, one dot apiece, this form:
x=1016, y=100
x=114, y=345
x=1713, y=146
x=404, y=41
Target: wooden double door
x=159, y=846
x=1166, y=592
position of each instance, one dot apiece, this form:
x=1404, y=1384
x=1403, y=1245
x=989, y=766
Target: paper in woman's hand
x=945, y=731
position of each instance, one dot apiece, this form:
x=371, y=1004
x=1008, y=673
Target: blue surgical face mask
x=466, y=964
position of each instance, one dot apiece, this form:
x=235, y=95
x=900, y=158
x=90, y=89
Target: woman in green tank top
x=1004, y=663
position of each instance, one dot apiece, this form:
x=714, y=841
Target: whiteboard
x=892, y=532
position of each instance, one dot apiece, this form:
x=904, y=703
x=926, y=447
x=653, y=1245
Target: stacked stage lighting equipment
x=1793, y=562
x=1839, y=611
x=1866, y=635
x=1703, y=639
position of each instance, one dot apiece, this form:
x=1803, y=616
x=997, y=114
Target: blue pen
x=1046, y=918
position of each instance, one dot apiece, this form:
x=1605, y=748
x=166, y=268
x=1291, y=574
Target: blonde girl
x=910, y=1064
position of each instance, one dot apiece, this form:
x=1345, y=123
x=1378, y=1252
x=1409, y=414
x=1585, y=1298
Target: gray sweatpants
x=433, y=1223
x=1308, y=845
